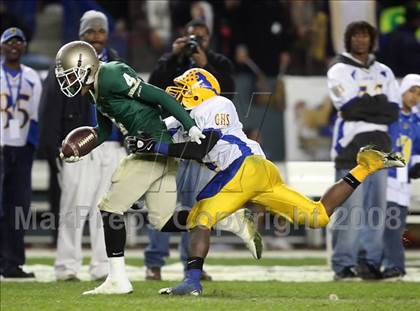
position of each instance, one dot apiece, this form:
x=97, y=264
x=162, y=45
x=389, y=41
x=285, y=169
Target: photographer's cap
x=11, y=33
x=93, y=20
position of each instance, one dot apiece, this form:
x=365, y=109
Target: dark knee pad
x=177, y=223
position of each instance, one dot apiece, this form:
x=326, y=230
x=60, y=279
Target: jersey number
x=405, y=143
x=7, y=111
x=129, y=80
x=132, y=83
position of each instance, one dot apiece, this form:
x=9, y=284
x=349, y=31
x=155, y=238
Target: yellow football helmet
x=193, y=87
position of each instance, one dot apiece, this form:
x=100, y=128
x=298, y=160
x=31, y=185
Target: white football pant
x=83, y=184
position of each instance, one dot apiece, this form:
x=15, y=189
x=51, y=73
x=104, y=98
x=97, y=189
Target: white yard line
x=174, y=272
x=132, y=253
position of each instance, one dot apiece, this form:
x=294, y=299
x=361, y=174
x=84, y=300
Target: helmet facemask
x=191, y=90
x=181, y=92
x=71, y=80
x=76, y=66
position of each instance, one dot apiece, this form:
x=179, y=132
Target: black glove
x=414, y=172
x=142, y=143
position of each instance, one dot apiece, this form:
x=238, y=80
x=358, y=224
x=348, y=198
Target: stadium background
x=310, y=34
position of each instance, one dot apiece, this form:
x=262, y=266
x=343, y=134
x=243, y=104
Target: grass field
x=217, y=295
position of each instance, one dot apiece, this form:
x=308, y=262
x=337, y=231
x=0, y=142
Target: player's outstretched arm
x=157, y=96
x=143, y=143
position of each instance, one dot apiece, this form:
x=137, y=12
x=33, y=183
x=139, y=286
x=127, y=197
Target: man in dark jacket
x=190, y=51
x=193, y=51
x=81, y=184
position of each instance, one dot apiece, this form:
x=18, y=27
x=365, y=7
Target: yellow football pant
x=258, y=180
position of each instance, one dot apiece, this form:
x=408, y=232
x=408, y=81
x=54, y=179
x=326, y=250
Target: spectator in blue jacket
x=405, y=135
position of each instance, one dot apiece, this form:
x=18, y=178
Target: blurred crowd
x=264, y=40
x=261, y=37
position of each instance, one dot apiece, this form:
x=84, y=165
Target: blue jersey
x=405, y=136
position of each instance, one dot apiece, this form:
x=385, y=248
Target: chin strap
x=89, y=70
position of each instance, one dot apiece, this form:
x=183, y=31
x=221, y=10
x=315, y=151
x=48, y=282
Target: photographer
x=192, y=51
x=188, y=52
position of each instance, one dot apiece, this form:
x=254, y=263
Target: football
x=79, y=142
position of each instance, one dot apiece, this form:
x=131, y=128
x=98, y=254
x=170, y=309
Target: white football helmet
x=76, y=64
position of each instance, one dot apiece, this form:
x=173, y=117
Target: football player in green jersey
x=121, y=97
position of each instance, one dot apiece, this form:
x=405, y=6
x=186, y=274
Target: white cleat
x=241, y=223
x=112, y=287
x=250, y=235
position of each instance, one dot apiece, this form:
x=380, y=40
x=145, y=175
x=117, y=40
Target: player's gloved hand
x=71, y=159
x=142, y=143
x=195, y=135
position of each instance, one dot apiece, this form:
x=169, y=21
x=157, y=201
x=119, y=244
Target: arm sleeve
x=104, y=127
x=126, y=82
x=190, y=150
x=175, y=129
x=345, y=96
x=374, y=109
x=36, y=96
x=340, y=86
x=156, y=96
x=33, y=134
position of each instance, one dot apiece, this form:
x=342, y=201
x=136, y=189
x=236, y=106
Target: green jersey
x=122, y=97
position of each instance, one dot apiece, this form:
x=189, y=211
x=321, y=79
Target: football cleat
x=187, y=287
x=109, y=287
x=375, y=160
x=241, y=223
x=251, y=236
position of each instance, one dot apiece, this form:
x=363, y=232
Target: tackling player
x=121, y=97
x=243, y=173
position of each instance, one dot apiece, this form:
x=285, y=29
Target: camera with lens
x=191, y=46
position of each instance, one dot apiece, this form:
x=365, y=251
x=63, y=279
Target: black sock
x=115, y=234
x=195, y=263
x=351, y=180
x=177, y=223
